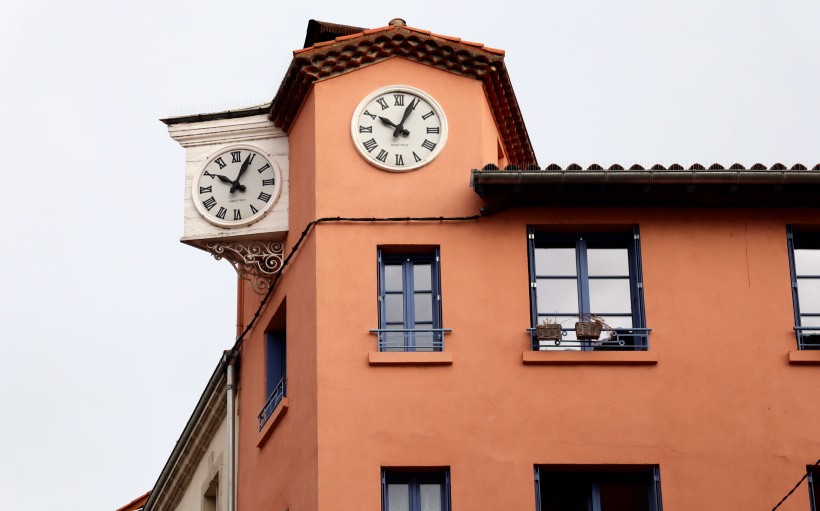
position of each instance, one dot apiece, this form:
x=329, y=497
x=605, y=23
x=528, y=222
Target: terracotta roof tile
x=420, y=31
x=658, y=167
x=349, y=52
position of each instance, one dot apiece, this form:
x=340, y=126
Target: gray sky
x=111, y=327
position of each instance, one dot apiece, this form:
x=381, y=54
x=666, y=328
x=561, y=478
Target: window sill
x=591, y=357
x=272, y=422
x=410, y=358
x=804, y=357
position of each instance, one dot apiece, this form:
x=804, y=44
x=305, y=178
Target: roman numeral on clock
x=221, y=163
x=428, y=145
x=370, y=145
x=237, y=215
x=254, y=210
x=433, y=130
x=416, y=157
x=264, y=196
x=428, y=114
x=209, y=203
x=205, y=189
x=382, y=157
x=399, y=99
x=365, y=129
x=382, y=103
x=266, y=182
x=221, y=213
x=372, y=116
x=236, y=156
x=399, y=160
x=264, y=168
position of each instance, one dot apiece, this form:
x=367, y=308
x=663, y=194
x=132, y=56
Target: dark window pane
x=624, y=497
x=563, y=494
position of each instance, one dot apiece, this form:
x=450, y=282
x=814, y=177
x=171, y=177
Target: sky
x=110, y=327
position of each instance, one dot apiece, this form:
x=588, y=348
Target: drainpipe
x=230, y=447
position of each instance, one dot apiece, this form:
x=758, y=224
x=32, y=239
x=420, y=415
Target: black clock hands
x=224, y=179
x=244, y=167
x=388, y=122
x=400, y=127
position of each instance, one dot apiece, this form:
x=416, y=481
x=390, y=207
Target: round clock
x=236, y=187
x=399, y=128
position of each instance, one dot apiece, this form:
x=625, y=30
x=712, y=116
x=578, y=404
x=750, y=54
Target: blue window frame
x=814, y=487
x=409, y=302
x=804, y=262
x=275, y=373
x=578, y=273
x=415, y=491
x=582, y=488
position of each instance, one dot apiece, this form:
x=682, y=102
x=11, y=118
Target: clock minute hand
x=400, y=127
x=390, y=123
x=242, y=170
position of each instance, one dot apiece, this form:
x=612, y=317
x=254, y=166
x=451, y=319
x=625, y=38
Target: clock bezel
x=370, y=158
x=230, y=224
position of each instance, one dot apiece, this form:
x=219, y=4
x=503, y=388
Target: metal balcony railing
x=808, y=337
x=411, y=339
x=270, y=405
x=619, y=339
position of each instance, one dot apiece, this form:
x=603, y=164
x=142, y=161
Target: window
x=415, y=491
x=581, y=488
x=275, y=373
x=599, y=273
x=804, y=258
x=814, y=488
x=409, y=302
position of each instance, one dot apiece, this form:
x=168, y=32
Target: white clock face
x=236, y=187
x=399, y=128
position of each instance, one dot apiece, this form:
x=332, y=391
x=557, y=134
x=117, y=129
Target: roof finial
x=398, y=22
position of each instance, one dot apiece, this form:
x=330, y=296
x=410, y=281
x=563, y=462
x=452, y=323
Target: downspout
x=230, y=500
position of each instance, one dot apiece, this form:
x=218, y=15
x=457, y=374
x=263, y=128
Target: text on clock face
x=236, y=186
x=399, y=129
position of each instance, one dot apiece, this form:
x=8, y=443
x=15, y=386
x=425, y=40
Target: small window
x=581, y=488
x=415, y=491
x=804, y=258
x=409, y=302
x=588, y=273
x=275, y=373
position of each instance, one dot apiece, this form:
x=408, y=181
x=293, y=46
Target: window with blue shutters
x=597, y=273
x=409, y=302
x=804, y=259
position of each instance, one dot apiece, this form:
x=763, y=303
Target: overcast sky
x=110, y=327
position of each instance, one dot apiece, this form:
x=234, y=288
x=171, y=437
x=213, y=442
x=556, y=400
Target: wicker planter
x=588, y=330
x=548, y=332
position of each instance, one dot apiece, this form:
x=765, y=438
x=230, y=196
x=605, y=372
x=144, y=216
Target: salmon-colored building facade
x=400, y=327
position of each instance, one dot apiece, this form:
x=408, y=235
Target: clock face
x=399, y=128
x=236, y=187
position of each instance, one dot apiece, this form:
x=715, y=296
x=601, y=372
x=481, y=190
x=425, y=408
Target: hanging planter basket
x=588, y=329
x=548, y=332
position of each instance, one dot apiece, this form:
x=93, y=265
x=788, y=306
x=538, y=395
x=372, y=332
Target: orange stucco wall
x=726, y=417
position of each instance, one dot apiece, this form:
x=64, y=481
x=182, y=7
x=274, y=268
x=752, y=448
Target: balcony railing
x=808, y=337
x=411, y=339
x=270, y=405
x=619, y=339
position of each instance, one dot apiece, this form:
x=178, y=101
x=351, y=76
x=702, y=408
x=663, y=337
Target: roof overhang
x=775, y=186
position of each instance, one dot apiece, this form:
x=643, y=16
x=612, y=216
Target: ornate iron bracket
x=254, y=261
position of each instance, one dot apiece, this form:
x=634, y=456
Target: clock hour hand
x=225, y=179
x=244, y=167
x=390, y=123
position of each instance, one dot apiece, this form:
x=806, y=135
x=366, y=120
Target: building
x=399, y=244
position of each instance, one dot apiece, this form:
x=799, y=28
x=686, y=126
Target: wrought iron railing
x=808, y=337
x=411, y=339
x=270, y=405
x=618, y=339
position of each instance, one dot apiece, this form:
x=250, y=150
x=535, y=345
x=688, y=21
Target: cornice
x=224, y=131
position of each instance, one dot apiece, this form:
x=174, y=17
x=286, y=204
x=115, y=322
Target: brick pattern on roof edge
x=347, y=53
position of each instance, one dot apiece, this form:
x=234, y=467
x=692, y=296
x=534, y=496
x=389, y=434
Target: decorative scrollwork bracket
x=254, y=261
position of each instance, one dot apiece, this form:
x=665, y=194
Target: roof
x=236, y=113
x=136, y=504
x=321, y=31
x=715, y=185
x=349, y=52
